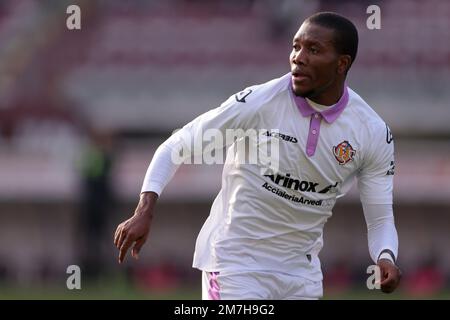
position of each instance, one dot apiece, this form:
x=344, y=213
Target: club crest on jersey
x=344, y=152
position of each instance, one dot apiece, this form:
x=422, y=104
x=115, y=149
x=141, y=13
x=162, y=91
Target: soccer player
x=264, y=232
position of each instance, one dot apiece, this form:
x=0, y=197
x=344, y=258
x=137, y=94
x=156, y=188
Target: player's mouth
x=298, y=76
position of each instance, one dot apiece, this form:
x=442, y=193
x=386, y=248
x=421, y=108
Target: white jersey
x=274, y=222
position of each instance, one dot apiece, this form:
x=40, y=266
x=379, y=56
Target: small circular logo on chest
x=344, y=152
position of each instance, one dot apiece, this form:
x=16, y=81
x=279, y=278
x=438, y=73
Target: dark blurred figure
x=4, y=272
x=96, y=200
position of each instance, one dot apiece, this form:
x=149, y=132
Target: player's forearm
x=163, y=167
x=381, y=231
x=146, y=204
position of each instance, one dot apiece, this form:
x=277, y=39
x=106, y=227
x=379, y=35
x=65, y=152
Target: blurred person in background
x=264, y=232
x=96, y=200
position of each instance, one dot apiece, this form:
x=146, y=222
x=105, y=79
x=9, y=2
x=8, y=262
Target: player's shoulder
x=375, y=129
x=364, y=112
x=260, y=94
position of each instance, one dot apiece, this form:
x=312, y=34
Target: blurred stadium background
x=81, y=113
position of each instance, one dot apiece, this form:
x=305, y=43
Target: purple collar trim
x=330, y=115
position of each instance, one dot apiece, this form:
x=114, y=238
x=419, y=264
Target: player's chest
x=327, y=153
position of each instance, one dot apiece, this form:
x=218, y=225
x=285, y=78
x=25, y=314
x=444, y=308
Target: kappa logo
x=240, y=97
x=344, y=152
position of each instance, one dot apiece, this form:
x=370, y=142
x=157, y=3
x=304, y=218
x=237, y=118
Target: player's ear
x=344, y=63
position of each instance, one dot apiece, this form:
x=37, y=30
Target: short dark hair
x=345, y=32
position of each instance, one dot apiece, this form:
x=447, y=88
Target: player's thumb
x=137, y=247
x=386, y=277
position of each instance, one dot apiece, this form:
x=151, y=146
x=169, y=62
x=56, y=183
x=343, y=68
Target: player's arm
x=383, y=243
x=375, y=183
x=134, y=231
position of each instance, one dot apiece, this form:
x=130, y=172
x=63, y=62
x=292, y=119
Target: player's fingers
x=387, y=288
x=137, y=247
x=388, y=283
x=122, y=235
x=124, y=247
x=388, y=280
x=116, y=234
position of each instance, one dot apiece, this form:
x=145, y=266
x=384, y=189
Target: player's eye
x=295, y=47
x=314, y=50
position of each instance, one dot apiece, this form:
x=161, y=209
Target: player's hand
x=134, y=231
x=390, y=275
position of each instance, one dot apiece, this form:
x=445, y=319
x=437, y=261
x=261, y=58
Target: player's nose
x=299, y=57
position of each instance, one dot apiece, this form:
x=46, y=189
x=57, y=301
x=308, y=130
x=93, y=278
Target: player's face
x=315, y=64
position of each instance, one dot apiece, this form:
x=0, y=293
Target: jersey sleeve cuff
x=152, y=187
x=388, y=255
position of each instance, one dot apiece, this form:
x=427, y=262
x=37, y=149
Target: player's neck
x=316, y=106
x=330, y=96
